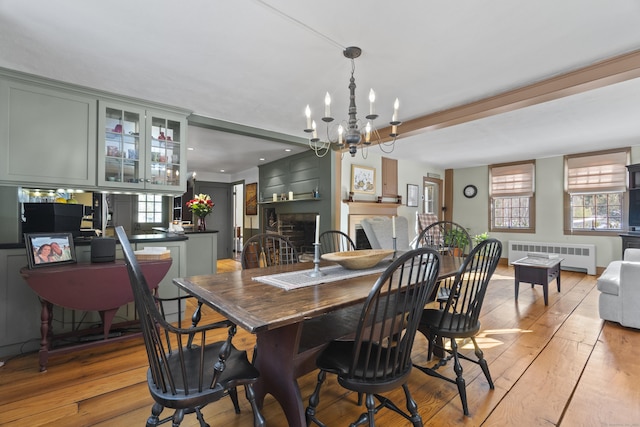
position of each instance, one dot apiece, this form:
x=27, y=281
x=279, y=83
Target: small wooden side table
x=101, y=287
x=537, y=271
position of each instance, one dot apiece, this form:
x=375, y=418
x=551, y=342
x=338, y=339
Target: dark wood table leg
x=107, y=319
x=276, y=351
x=517, y=279
x=545, y=288
x=46, y=317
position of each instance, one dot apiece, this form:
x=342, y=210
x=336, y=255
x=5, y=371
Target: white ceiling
x=259, y=63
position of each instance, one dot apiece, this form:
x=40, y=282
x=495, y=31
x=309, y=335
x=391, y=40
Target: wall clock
x=470, y=191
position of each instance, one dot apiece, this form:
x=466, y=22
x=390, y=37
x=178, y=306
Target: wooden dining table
x=291, y=326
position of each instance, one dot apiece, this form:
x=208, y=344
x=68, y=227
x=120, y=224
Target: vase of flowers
x=201, y=206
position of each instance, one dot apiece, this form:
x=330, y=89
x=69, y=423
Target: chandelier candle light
x=351, y=133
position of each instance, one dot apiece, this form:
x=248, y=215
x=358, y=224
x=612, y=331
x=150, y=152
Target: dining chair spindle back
x=459, y=317
x=335, y=241
x=378, y=359
x=267, y=249
x=186, y=372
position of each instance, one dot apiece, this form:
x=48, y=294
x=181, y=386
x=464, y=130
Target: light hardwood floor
x=558, y=365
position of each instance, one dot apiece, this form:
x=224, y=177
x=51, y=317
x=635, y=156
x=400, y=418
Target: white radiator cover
x=575, y=256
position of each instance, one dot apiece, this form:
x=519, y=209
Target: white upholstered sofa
x=619, y=287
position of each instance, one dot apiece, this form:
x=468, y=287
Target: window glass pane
x=149, y=208
x=511, y=212
x=596, y=211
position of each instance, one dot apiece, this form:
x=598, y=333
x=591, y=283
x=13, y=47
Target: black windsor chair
x=378, y=359
x=459, y=318
x=186, y=372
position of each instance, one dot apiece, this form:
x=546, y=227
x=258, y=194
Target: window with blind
x=511, y=196
x=595, y=186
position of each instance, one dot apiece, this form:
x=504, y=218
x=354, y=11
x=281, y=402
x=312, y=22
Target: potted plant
x=456, y=239
x=480, y=238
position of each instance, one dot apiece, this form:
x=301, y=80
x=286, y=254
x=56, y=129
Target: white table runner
x=300, y=279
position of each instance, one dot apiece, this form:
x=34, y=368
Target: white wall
x=474, y=213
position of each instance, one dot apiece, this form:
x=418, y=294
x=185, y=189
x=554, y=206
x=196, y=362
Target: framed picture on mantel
x=363, y=179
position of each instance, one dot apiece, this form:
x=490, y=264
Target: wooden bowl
x=358, y=260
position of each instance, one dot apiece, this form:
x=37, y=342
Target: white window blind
x=597, y=173
x=513, y=180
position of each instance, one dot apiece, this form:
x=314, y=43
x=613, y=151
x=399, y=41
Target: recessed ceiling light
x=261, y=159
x=190, y=148
x=287, y=149
x=221, y=170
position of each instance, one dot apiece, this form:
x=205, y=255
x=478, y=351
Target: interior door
x=432, y=200
x=221, y=218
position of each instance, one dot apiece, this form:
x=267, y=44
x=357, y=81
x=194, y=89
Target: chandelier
x=352, y=132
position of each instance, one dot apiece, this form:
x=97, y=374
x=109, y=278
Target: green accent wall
x=300, y=173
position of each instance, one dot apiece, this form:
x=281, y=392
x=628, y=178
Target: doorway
x=432, y=201
x=238, y=218
x=221, y=218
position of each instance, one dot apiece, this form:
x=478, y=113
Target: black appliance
x=103, y=249
x=52, y=218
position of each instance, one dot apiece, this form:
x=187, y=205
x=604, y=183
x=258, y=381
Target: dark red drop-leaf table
x=101, y=287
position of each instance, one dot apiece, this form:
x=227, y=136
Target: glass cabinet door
x=165, y=151
x=123, y=147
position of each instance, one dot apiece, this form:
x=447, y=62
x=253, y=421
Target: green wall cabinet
x=141, y=149
x=47, y=135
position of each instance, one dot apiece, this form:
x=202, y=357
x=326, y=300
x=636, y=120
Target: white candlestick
x=393, y=226
x=317, y=228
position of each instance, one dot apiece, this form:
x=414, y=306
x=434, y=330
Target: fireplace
x=299, y=228
x=362, y=210
x=361, y=241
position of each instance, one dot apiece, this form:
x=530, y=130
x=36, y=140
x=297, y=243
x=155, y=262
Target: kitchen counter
x=166, y=231
x=135, y=238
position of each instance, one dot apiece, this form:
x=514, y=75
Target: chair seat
x=443, y=294
x=453, y=322
x=337, y=359
x=238, y=371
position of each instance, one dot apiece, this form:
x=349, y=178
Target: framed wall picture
x=46, y=249
x=251, y=199
x=412, y=195
x=363, y=179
